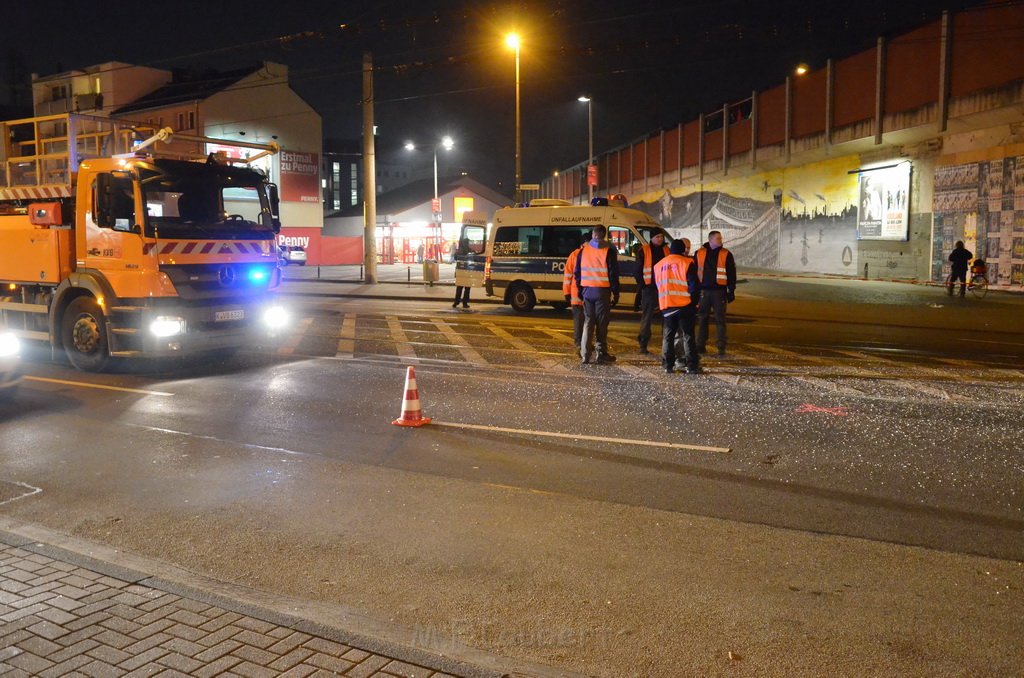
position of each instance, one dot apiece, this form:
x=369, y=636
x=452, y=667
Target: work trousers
x=462, y=295
x=711, y=300
x=648, y=306
x=962, y=277
x=677, y=340
x=596, y=313
x=577, y=324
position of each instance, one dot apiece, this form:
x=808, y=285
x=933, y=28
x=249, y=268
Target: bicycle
x=979, y=279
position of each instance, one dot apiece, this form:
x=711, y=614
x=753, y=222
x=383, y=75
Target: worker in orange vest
x=678, y=294
x=572, y=295
x=717, y=272
x=646, y=291
x=597, y=276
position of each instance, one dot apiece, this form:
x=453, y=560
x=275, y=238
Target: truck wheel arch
x=85, y=283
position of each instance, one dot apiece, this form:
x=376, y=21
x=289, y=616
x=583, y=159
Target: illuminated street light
x=513, y=42
x=590, y=144
x=801, y=69
x=447, y=143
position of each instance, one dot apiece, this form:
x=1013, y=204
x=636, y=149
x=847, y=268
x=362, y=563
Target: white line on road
x=522, y=345
x=401, y=340
x=84, y=384
x=987, y=341
x=459, y=342
x=575, y=436
x=347, y=337
x=33, y=490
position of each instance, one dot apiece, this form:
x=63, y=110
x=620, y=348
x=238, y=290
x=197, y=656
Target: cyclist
x=959, y=258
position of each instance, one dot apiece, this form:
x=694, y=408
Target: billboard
x=300, y=176
x=884, y=199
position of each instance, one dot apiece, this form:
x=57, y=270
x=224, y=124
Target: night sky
x=442, y=67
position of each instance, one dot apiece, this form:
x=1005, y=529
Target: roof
x=190, y=89
x=420, y=192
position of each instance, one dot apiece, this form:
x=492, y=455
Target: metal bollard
x=361, y=277
x=865, y=271
x=408, y=275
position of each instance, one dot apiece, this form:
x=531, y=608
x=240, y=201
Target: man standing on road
x=959, y=258
x=717, y=273
x=646, y=291
x=572, y=295
x=597, y=276
x=678, y=294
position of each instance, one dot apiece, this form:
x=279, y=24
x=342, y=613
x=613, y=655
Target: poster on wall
x=882, y=212
x=300, y=176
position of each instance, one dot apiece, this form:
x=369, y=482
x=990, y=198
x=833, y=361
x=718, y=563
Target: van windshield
x=203, y=200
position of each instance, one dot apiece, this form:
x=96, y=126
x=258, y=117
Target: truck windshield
x=202, y=200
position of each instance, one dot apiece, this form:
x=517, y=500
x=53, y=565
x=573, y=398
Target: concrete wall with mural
x=979, y=198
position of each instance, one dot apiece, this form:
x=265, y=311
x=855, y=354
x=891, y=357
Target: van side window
x=623, y=240
x=518, y=240
x=561, y=240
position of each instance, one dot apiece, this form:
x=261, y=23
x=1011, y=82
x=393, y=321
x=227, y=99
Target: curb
x=327, y=620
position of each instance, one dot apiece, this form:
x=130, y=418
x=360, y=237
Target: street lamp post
x=590, y=144
x=512, y=40
x=447, y=143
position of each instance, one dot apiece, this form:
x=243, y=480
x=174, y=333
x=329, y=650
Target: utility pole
x=369, y=176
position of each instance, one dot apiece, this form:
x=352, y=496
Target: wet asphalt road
x=896, y=421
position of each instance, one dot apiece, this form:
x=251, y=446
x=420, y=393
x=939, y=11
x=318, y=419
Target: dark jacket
x=959, y=259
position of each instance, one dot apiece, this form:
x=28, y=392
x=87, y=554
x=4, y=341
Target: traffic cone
x=412, y=415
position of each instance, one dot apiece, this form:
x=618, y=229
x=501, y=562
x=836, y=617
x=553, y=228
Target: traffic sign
x=529, y=187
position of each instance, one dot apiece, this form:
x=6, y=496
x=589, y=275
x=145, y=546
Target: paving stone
x=398, y=668
x=48, y=630
x=300, y=671
x=125, y=612
x=41, y=647
x=151, y=628
x=148, y=670
x=130, y=599
x=78, y=648
x=66, y=668
x=165, y=599
x=66, y=604
x=186, y=632
x=81, y=634
x=289, y=660
x=77, y=581
x=31, y=610
x=8, y=597
x=26, y=661
x=146, y=643
x=108, y=654
x=88, y=620
x=326, y=661
x=217, y=651
x=256, y=625
x=288, y=643
x=185, y=647
x=98, y=669
x=141, y=659
x=171, y=673
x=217, y=667
x=250, y=670
x=112, y=582
x=219, y=635
x=355, y=655
x=11, y=651
x=279, y=632
x=326, y=646
x=114, y=639
x=219, y=622
x=369, y=666
x=88, y=575
x=193, y=605
x=179, y=662
x=13, y=586
x=32, y=600
x=58, y=616
x=71, y=591
x=19, y=574
x=255, y=639
x=254, y=655
x=143, y=590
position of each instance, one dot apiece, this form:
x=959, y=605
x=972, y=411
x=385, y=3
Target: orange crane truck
x=111, y=249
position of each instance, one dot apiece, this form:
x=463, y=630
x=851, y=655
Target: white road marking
x=989, y=341
x=522, y=345
x=347, y=337
x=296, y=337
x=459, y=341
x=926, y=389
x=103, y=387
x=33, y=490
x=573, y=436
x=401, y=340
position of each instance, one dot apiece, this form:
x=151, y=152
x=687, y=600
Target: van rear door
x=469, y=251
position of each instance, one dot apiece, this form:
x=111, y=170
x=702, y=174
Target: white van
x=524, y=257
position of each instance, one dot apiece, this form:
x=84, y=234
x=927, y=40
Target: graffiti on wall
x=981, y=203
x=800, y=219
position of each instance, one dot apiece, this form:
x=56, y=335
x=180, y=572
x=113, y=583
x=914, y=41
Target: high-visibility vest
x=569, y=279
x=721, y=273
x=648, y=266
x=670, y=277
x=594, y=267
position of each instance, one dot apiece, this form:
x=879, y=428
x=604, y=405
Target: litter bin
x=431, y=272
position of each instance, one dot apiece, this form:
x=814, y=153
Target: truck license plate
x=221, y=316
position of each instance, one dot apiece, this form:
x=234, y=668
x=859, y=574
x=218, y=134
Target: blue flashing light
x=257, y=275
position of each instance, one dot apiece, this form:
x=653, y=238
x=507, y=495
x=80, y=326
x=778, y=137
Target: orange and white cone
x=412, y=414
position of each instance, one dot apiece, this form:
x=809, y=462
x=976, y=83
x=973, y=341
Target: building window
x=354, y=184
x=181, y=121
x=336, y=185
x=191, y=120
x=59, y=92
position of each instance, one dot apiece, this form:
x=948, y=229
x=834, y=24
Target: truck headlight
x=167, y=326
x=275, y=317
x=9, y=344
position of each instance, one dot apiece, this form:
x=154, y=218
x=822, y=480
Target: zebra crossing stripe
x=405, y=350
x=347, y=337
x=523, y=346
x=460, y=343
x=296, y=337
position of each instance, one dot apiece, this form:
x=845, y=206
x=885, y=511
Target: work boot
x=643, y=350
x=693, y=369
x=466, y=306
x=669, y=367
x=721, y=353
x=605, y=359
x=585, y=360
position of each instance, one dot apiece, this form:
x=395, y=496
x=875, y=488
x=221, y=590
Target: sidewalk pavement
x=65, y=613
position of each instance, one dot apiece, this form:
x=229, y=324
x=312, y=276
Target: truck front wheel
x=84, y=335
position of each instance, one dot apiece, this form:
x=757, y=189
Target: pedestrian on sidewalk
x=716, y=270
x=959, y=259
x=572, y=295
x=678, y=293
x=462, y=252
x=597, y=276
x=646, y=291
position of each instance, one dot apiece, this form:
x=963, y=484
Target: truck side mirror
x=102, y=201
x=275, y=200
